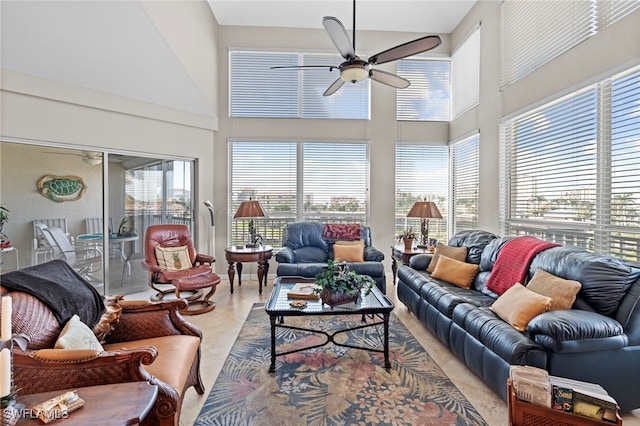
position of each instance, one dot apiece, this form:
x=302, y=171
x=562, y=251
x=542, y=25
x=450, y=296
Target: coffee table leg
x=387, y=364
x=272, y=319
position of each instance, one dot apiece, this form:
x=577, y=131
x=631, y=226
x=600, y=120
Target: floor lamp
x=424, y=210
x=212, y=235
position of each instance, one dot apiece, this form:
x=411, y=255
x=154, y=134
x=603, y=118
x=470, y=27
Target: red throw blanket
x=339, y=231
x=513, y=262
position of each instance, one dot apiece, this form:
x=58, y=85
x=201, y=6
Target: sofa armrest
x=574, y=330
x=142, y=319
x=372, y=254
x=56, y=369
x=419, y=262
x=285, y=255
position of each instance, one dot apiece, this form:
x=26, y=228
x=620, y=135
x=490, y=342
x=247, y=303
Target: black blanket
x=59, y=287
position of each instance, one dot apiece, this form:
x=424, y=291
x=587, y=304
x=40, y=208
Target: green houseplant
x=126, y=227
x=407, y=236
x=338, y=285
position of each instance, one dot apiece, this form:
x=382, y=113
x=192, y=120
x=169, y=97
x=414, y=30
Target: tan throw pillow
x=455, y=272
x=173, y=258
x=562, y=292
x=352, y=252
x=518, y=306
x=457, y=253
x=77, y=335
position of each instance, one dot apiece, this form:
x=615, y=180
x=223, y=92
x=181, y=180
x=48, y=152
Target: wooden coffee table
x=112, y=405
x=375, y=307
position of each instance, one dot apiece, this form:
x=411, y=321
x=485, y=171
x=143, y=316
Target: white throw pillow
x=77, y=335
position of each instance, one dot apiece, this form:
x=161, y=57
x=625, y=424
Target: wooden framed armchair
x=148, y=341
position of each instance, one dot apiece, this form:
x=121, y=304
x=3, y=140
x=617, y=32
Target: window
x=464, y=183
x=465, y=74
x=258, y=91
x=533, y=33
x=421, y=173
x=428, y=98
x=320, y=181
x=568, y=169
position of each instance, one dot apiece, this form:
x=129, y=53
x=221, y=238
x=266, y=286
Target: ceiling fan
x=92, y=158
x=355, y=69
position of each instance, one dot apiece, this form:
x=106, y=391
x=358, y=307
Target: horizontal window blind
x=256, y=90
x=428, y=98
x=350, y=102
x=570, y=169
x=422, y=172
x=321, y=181
x=265, y=171
x=535, y=32
x=624, y=210
x=465, y=74
x=465, y=167
x=336, y=182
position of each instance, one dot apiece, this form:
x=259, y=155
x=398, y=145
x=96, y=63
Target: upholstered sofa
x=596, y=340
x=142, y=341
x=306, y=250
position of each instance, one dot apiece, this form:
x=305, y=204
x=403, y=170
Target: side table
x=402, y=255
x=238, y=255
x=114, y=405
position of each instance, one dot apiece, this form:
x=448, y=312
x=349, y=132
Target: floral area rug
x=332, y=385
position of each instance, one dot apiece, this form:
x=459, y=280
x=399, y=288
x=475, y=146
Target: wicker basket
x=526, y=414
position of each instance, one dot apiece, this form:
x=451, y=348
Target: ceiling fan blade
x=389, y=79
x=334, y=87
x=407, y=49
x=330, y=67
x=339, y=36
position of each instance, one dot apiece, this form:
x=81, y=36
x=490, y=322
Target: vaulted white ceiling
x=433, y=16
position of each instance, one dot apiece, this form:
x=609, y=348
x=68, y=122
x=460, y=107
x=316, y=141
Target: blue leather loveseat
x=305, y=252
x=597, y=340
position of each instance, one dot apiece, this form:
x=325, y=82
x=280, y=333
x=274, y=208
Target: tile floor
x=221, y=327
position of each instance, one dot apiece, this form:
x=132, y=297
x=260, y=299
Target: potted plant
x=126, y=227
x=407, y=236
x=338, y=285
x=4, y=218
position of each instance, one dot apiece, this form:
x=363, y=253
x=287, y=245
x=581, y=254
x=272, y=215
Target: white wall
x=41, y=102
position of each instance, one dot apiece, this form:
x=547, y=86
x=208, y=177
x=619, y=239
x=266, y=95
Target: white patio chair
x=84, y=260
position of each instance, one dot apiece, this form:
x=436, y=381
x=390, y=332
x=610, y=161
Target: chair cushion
x=455, y=271
x=457, y=253
x=169, y=276
x=173, y=258
x=353, y=252
x=562, y=292
x=518, y=306
x=197, y=282
x=174, y=360
x=76, y=335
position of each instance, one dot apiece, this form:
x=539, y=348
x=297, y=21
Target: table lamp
x=251, y=209
x=425, y=210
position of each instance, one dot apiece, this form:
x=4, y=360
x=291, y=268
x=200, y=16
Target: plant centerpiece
x=338, y=285
x=126, y=227
x=407, y=236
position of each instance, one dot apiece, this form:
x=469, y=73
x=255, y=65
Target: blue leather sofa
x=597, y=340
x=305, y=252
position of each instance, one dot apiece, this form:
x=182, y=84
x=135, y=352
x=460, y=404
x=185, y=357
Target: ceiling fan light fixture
x=354, y=73
x=93, y=161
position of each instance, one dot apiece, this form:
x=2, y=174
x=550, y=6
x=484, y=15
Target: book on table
x=304, y=291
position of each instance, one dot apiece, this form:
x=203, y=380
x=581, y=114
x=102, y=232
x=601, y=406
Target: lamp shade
x=251, y=208
x=425, y=210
